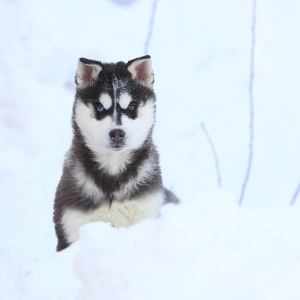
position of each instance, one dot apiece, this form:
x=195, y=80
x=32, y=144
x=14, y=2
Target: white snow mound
x=205, y=248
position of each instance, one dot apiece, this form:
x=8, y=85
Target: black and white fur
x=111, y=172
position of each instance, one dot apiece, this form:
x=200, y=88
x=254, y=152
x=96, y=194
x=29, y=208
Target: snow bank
x=205, y=248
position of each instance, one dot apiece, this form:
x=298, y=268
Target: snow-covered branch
x=251, y=127
x=150, y=29
x=297, y=192
x=213, y=150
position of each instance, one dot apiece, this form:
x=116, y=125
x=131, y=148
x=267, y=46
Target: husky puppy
x=111, y=172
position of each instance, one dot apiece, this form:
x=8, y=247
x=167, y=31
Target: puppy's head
x=115, y=104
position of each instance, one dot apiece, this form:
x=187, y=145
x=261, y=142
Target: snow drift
x=205, y=248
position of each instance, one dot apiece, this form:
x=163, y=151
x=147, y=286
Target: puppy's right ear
x=141, y=71
x=87, y=72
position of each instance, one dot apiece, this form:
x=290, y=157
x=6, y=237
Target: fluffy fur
x=111, y=172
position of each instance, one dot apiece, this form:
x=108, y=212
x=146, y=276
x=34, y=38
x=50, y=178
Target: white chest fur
x=89, y=188
x=120, y=214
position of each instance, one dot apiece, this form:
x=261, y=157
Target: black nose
x=117, y=135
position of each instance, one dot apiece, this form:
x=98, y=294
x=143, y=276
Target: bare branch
x=150, y=29
x=251, y=106
x=295, y=195
x=213, y=149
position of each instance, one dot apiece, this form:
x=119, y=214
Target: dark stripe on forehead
x=118, y=114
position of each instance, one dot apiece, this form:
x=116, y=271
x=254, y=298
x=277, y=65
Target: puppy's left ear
x=141, y=71
x=87, y=72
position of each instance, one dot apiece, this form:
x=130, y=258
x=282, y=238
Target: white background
x=205, y=248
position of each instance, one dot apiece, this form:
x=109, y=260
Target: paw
x=62, y=244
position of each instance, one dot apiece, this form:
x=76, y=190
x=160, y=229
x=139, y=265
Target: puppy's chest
x=100, y=187
x=128, y=212
x=118, y=201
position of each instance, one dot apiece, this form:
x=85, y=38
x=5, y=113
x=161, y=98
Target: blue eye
x=131, y=107
x=100, y=108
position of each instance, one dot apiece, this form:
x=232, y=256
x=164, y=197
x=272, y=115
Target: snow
x=209, y=248
x=205, y=248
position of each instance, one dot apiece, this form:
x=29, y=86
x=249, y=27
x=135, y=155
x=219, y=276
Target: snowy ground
x=207, y=247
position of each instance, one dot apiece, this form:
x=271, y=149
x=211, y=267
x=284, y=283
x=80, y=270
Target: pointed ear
x=87, y=72
x=141, y=70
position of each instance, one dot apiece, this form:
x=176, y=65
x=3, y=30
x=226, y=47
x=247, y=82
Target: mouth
x=117, y=147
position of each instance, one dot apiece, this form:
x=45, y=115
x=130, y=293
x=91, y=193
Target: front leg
x=62, y=237
x=67, y=225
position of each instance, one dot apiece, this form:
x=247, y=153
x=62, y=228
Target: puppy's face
x=115, y=104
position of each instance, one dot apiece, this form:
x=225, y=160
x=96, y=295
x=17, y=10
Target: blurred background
x=201, y=60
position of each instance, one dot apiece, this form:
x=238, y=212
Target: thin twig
x=150, y=29
x=295, y=195
x=213, y=149
x=251, y=106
